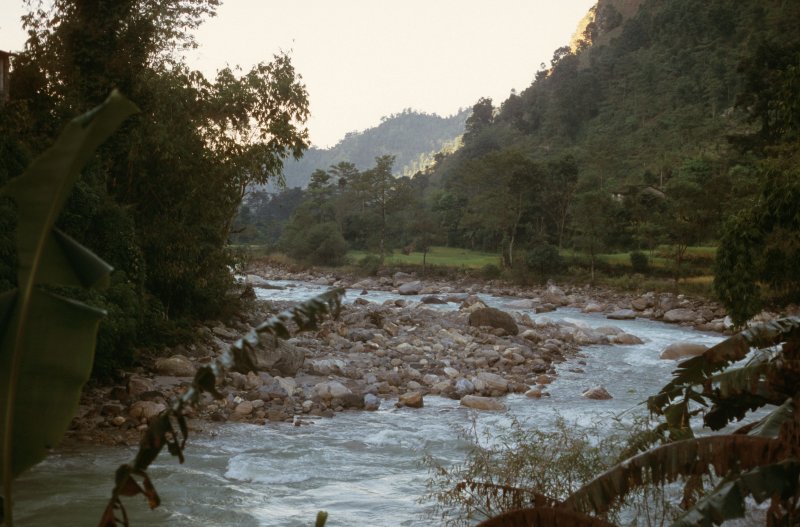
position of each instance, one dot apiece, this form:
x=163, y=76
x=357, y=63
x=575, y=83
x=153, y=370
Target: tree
x=482, y=116
x=560, y=184
x=189, y=158
x=380, y=184
x=591, y=219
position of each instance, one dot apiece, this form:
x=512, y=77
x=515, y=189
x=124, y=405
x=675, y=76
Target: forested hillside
x=663, y=121
x=412, y=137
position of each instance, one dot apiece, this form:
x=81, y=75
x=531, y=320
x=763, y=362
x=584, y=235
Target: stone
x=494, y=318
x=411, y=400
x=410, y=288
x=430, y=299
x=482, y=403
x=289, y=385
x=626, y=339
x=464, y=387
x=680, y=315
x=642, y=303
x=118, y=420
x=622, y=314
x=330, y=390
x=594, y=307
x=244, y=408
x=555, y=295
x=145, y=409
x=534, y=393
x=680, y=350
x=257, y=281
x=175, y=366
x=451, y=372
x=597, y=393
x=371, y=402
x=138, y=385
x=493, y=382
x=271, y=354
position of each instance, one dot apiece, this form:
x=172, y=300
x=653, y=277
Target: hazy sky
x=364, y=59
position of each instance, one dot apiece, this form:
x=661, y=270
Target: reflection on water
x=362, y=467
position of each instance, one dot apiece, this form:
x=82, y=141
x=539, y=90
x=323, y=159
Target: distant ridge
x=412, y=137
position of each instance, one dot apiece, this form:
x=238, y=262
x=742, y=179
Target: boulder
x=493, y=382
x=411, y=400
x=482, y=403
x=146, y=409
x=642, y=303
x=138, y=385
x=271, y=354
x=594, y=307
x=410, y=288
x=257, y=281
x=175, y=366
x=495, y=318
x=626, y=339
x=622, y=314
x=433, y=300
x=680, y=350
x=598, y=393
x=680, y=315
x=371, y=402
x=464, y=387
x=330, y=390
x=243, y=409
x=555, y=295
x=534, y=393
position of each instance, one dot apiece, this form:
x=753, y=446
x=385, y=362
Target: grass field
x=440, y=256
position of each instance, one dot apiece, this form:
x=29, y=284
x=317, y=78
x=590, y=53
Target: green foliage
x=639, y=262
x=40, y=384
x=544, y=260
x=513, y=468
x=490, y=272
x=369, y=264
x=170, y=428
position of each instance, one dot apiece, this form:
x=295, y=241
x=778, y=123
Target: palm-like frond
x=670, y=462
x=544, y=517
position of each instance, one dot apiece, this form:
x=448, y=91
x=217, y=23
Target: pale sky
x=364, y=59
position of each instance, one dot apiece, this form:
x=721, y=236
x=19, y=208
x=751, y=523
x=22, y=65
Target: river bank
x=399, y=338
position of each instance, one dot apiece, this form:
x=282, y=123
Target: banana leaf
x=48, y=341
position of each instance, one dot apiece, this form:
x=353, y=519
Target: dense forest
x=666, y=124
x=412, y=137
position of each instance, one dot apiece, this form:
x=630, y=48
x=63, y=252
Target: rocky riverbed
x=399, y=349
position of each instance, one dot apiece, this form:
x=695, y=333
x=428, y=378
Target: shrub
x=369, y=264
x=325, y=245
x=490, y=272
x=639, y=262
x=544, y=260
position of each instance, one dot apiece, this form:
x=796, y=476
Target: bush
x=544, y=260
x=369, y=264
x=490, y=272
x=640, y=262
x=553, y=463
x=325, y=245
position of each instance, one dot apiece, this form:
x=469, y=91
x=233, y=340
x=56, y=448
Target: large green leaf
x=667, y=463
x=47, y=340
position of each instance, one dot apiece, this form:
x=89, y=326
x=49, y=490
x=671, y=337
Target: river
x=362, y=467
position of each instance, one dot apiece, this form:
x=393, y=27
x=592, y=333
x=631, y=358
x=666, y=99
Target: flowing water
x=362, y=467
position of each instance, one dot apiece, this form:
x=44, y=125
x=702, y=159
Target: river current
x=362, y=467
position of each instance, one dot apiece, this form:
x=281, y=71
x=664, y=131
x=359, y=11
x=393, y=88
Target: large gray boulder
x=410, y=288
x=489, y=316
x=680, y=315
x=271, y=354
x=622, y=314
x=680, y=350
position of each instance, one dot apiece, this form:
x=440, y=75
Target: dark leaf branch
x=170, y=428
